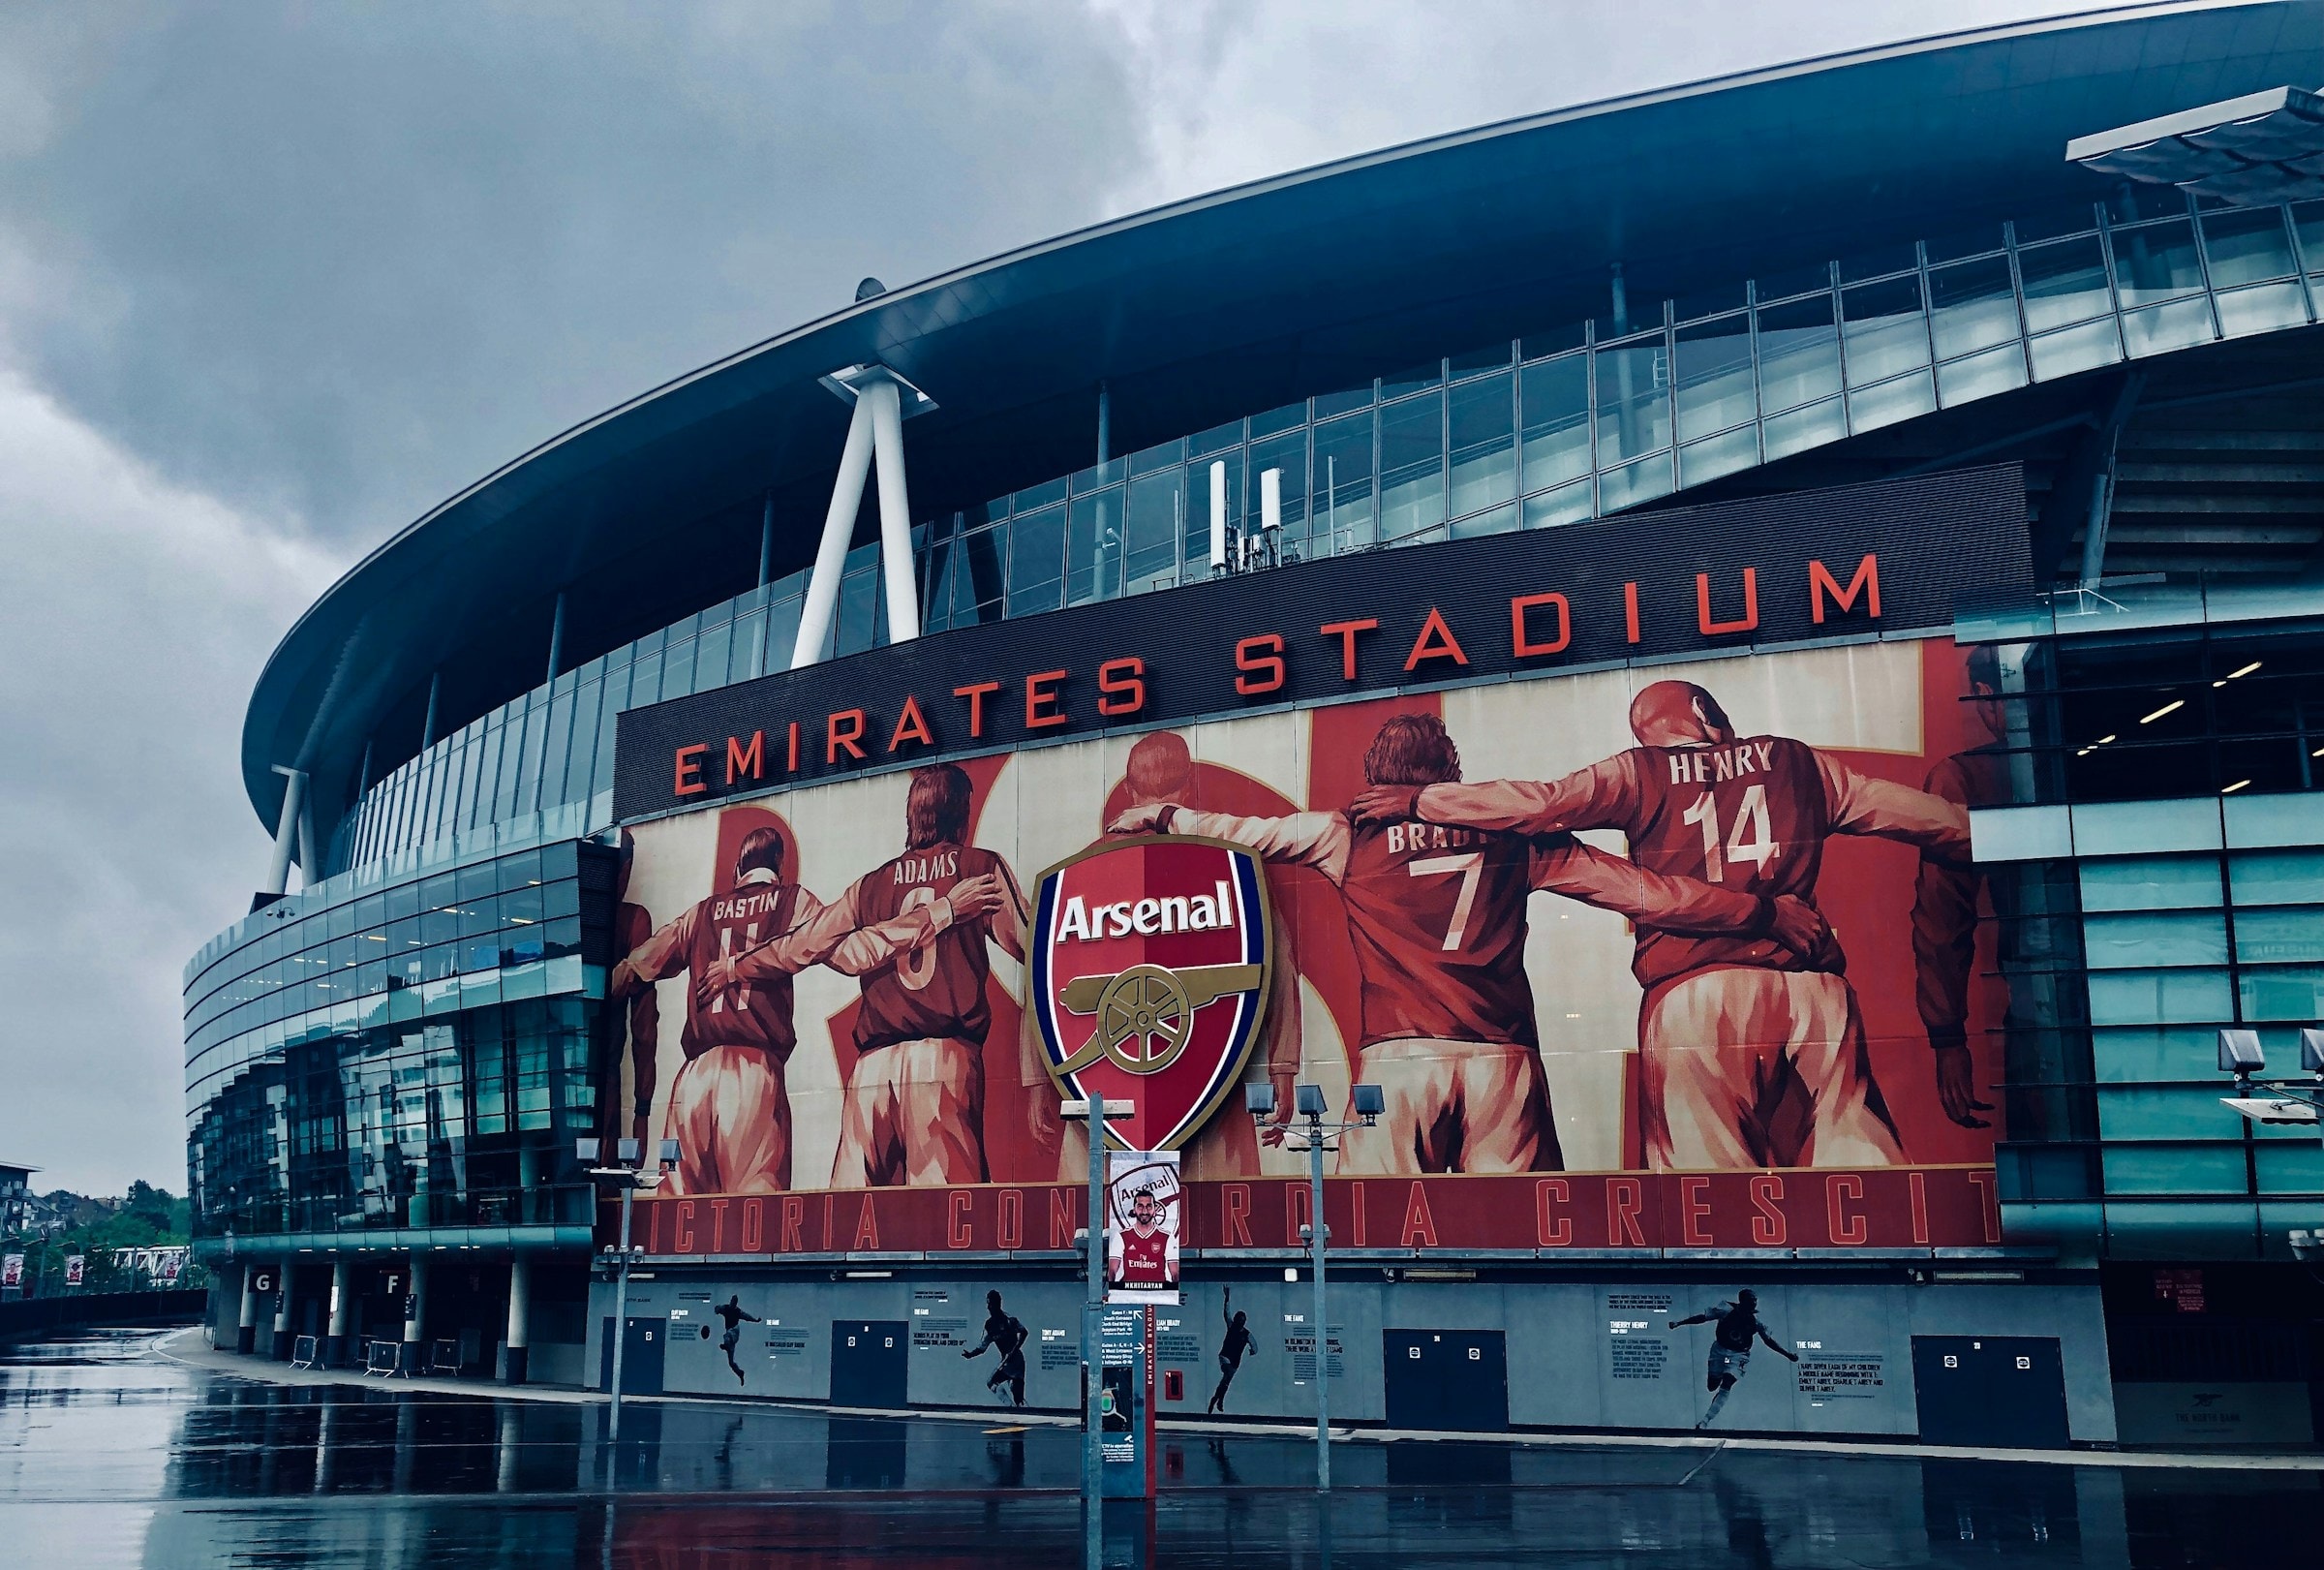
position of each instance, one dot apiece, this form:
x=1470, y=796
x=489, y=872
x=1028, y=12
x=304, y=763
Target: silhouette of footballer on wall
x=1730, y=1345
x=734, y=1316
x=1240, y=1342
x=1005, y=1334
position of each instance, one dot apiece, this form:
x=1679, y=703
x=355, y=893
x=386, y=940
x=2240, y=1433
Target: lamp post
x=1368, y=1103
x=627, y=1174
x=1096, y=1109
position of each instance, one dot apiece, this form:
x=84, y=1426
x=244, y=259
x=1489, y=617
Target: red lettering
x=682, y=1232
x=793, y=765
x=851, y=738
x=958, y=1205
x=1121, y=686
x=718, y=1225
x=1991, y=1211
x=654, y=1228
x=1630, y=612
x=1060, y=1217
x=1295, y=1208
x=976, y=693
x=1235, y=1215
x=1419, y=1227
x=1917, y=1183
x=1521, y=634
x=1012, y=1217
x=1346, y=632
x=794, y=1217
x=1751, y=605
x=1355, y=1205
x=754, y=1227
x=911, y=725
x=1260, y=659
x=1552, y=1230
x=1842, y=1191
x=1041, y=710
x=1767, y=1228
x=1866, y=582
x=1693, y=1208
x=1435, y=642
x=689, y=781
x=1625, y=1198
x=866, y=1228
x=751, y=760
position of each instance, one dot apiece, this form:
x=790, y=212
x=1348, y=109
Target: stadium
x=1751, y=657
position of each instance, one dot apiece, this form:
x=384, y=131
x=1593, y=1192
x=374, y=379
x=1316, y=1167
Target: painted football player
x=728, y=1108
x=1437, y=918
x=633, y=926
x=1738, y=1323
x=1728, y=1019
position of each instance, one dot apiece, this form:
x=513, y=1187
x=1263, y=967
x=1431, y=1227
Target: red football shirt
x=936, y=989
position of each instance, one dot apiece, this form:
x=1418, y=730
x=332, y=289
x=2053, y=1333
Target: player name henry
x=1712, y=765
x=1176, y=912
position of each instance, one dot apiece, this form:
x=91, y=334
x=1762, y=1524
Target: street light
x=1096, y=1109
x=2275, y=1101
x=1367, y=1102
x=625, y=1172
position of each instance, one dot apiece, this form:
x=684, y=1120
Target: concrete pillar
x=279, y=1348
x=246, y=1332
x=416, y=1315
x=839, y=528
x=520, y=1313
x=334, y=1345
x=895, y=511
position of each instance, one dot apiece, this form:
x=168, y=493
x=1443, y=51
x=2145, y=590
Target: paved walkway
x=192, y=1348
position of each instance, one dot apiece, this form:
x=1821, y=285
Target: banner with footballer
x=1716, y=917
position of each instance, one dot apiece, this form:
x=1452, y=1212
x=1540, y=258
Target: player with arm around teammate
x=1726, y=1018
x=1437, y=918
x=1730, y=1345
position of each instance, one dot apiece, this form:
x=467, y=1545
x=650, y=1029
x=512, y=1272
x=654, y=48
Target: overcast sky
x=274, y=279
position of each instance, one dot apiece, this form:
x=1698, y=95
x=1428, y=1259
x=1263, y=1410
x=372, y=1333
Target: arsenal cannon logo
x=1150, y=961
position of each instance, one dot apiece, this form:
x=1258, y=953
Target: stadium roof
x=1248, y=297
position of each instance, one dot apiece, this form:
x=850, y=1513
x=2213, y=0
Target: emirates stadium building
x=1746, y=663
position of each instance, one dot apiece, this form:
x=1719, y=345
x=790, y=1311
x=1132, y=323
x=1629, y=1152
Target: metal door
x=869, y=1361
x=1990, y=1390
x=1455, y=1379
x=644, y=1344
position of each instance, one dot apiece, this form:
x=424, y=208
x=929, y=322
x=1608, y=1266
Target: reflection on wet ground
x=112, y=1453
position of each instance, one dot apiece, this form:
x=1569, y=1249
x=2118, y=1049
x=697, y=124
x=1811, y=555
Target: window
x=1412, y=467
x=1714, y=377
x=1036, y=561
x=1799, y=354
x=1634, y=401
x=1886, y=332
x=1556, y=427
x=1482, y=418
x=1343, y=485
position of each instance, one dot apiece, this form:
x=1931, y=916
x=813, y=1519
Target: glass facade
x=1551, y=429
x=2156, y=855
x=401, y=1053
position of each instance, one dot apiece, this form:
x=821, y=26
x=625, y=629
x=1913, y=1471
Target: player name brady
x=1175, y=912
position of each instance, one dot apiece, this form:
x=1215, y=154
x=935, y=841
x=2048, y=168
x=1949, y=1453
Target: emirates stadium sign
x=1149, y=979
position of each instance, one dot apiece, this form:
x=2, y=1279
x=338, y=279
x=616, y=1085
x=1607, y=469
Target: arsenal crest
x=1150, y=961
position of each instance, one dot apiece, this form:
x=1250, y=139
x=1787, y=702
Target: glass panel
x=1343, y=484
x=2156, y=261
x=1287, y=456
x=2123, y=943
x=1412, y=379
x=1093, y=548
x=1776, y=286
x=2150, y=883
x=1551, y=340
x=2076, y=349
x=1161, y=456
x=2279, y=937
x=1886, y=332
x=1412, y=467
x=2064, y=282
x=1799, y=354
x=2308, y=225
x=1482, y=419
x=1551, y=509
x=1039, y=496
x=1714, y=377
x=2277, y=877
x=2159, y=998
x=1632, y=483
x=1157, y=505
x=2247, y=247
x=1633, y=404
x=1871, y=408
x=1720, y=455
x=1491, y=357
x=1981, y=376
x=2161, y=329
x=710, y=652
x=857, y=625
x=2286, y=992
x=1339, y=403
x=1971, y=306
x=2264, y=309
x=2164, y=1112
x=1278, y=419
x=1556, y=398
x=1499, y=522
x=1036, y=561
x=2175, y=1169
x=1804, y=428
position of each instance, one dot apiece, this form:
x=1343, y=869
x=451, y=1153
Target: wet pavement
x=112, y=1453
